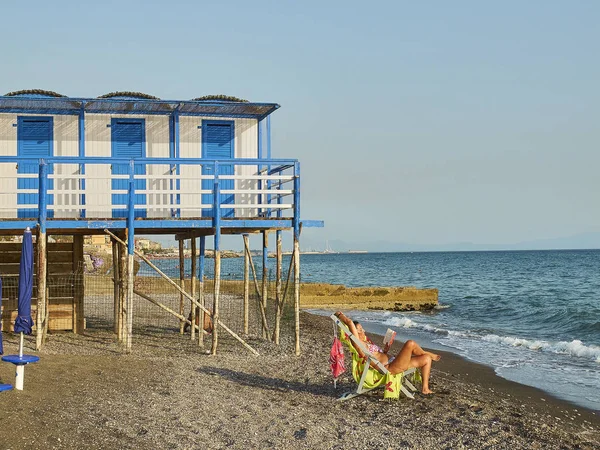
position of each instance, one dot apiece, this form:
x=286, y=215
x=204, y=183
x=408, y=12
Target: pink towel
x=336, y=358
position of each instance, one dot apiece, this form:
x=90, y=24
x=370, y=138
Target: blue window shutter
x=218, y=143
x=34, y=140
x=128, y=139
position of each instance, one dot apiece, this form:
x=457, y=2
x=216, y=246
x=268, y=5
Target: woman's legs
x=412, y=355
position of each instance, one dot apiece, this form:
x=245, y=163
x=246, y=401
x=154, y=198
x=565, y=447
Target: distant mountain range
x=590, y=240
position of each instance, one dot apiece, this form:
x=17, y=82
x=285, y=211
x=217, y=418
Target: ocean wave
x=574, y=348
x=439, y=306
x=404, y=322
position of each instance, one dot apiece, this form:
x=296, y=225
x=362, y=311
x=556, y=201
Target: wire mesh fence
x=61, y=290
x=99, y=299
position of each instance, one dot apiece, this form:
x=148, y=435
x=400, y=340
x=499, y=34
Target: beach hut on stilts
x=127, y=165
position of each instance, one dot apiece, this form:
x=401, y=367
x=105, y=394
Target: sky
x=429, y=123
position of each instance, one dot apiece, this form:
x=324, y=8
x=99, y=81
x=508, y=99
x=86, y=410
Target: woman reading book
x=410, y=355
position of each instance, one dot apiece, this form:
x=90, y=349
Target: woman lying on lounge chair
x=410, y=355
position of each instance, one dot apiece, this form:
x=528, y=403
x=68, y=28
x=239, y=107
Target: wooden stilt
x=129, y=314
x=46, y=309
x=181, y=284
x=265, y=276
x=193, y=287
x=217, y=292
x=201, y=288
x=122, y=289
x=246, y=283
x=278, y=299
x=79, y=290
x=116, y=281
x=297, y=292
x=41, y=282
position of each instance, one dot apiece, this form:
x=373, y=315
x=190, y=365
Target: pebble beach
x=169, y=394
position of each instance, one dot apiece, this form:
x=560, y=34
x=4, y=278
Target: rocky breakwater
x=335, y=296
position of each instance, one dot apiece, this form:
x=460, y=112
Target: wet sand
x=168, y=394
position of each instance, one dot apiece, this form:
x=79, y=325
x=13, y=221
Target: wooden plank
x=79, y=290
x=52, y=247
x=15, y=257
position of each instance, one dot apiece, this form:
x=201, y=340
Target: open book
x=389, y=337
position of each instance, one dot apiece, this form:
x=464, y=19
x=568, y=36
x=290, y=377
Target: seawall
x=335, y=296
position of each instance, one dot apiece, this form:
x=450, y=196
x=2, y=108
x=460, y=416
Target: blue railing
x=75, y=188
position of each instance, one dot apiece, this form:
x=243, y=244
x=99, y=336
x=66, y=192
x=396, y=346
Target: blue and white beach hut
x=130, y=162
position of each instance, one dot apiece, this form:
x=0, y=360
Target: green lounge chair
x=369, y=377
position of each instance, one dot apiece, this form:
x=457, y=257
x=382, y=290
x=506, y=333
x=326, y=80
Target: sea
x=533, y=316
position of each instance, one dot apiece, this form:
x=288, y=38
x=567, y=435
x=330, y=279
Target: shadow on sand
x=267, y=383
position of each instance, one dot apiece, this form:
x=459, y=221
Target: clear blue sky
x=433, y=123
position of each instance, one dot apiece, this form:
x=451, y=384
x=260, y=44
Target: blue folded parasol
x=24, y=322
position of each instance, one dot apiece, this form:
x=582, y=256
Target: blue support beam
x=260, y=167
x=178, y=168
x=297, y=201
x=131, y=211
x=82, y=155
x=43, y=196
x=217, y=208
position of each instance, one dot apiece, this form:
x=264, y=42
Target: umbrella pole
x=21, y=346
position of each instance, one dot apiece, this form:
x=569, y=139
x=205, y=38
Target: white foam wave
x=404, y=322
x=401, y=322
x=574, y=348
x=439, y=306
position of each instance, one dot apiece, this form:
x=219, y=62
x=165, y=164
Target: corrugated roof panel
x=66, y=105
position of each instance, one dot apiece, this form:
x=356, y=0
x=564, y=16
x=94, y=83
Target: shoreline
x=169, y=394
x=463, y=368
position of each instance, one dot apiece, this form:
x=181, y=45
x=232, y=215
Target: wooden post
x=41, y=282
x=122, y=290
x=181, y=284
x=129, y=315
x=201, y=290
x=265, y=276
x=79, y=290
x=278, y=299
x=297, y=292
x=116, y=281
x=217, y=292
x=193, y=288
x=246, y=283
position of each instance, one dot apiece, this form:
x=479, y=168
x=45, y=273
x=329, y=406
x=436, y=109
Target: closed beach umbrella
x=24, y=322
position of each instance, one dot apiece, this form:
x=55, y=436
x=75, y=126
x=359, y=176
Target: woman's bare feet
x=434, y=356
x=426, y=391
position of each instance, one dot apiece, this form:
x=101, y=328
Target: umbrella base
x=20, y=362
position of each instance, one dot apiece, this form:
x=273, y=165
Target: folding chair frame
x=361, y=389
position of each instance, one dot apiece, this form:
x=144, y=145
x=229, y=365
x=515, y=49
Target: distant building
x=146, y=244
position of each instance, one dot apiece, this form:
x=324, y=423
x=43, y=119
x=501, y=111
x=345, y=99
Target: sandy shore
x=167, y=394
